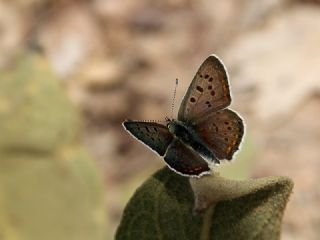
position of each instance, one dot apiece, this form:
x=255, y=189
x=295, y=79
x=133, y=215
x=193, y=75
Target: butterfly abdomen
x=190, y=138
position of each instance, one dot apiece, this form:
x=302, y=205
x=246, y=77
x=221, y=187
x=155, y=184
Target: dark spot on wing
x=213, y=93
x=226, y=123
x=209, y=87
x=192, y=100
x=229, y=128
x=200, y=89
x=210, y=79
x=206, y=76
x=215, y=126
x=155, y=129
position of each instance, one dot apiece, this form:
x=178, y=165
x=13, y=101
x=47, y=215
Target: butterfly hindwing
x=209, y=91
x=222, y=132
x=154, y=135
x=185, y=160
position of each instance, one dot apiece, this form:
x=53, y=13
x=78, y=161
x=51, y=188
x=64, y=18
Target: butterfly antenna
x=172, y=108
x=152, y=121
x=174, y=98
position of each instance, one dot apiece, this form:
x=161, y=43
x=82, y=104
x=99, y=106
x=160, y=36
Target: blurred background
x=72, y=70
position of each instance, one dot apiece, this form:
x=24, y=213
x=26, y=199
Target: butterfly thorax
x=188, y=136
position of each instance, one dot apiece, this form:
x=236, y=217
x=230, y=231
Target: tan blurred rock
x=280, y=63
x=105, y=108
x=101, y=74
x=114, y=8
x=11, y=32
x=23, y=4
x=69, y=38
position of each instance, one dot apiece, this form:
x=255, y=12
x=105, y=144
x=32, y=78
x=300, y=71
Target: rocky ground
x=120, y=59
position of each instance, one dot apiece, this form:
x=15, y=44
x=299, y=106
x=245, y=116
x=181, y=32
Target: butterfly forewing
x=154, y=135
x=185, y=160
x=222, y=132
x=209, y=91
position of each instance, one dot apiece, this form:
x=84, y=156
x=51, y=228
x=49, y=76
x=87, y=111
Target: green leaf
x=56, y=197
x=35, y=113
x=163, y=208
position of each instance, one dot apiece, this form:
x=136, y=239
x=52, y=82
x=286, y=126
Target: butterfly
x=205, y=131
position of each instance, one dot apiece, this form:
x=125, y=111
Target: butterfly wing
x=209, y=91
x=154, y=135
x=184, y=160
x=222, y=132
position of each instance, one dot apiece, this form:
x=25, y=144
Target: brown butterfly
x=205, y=132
